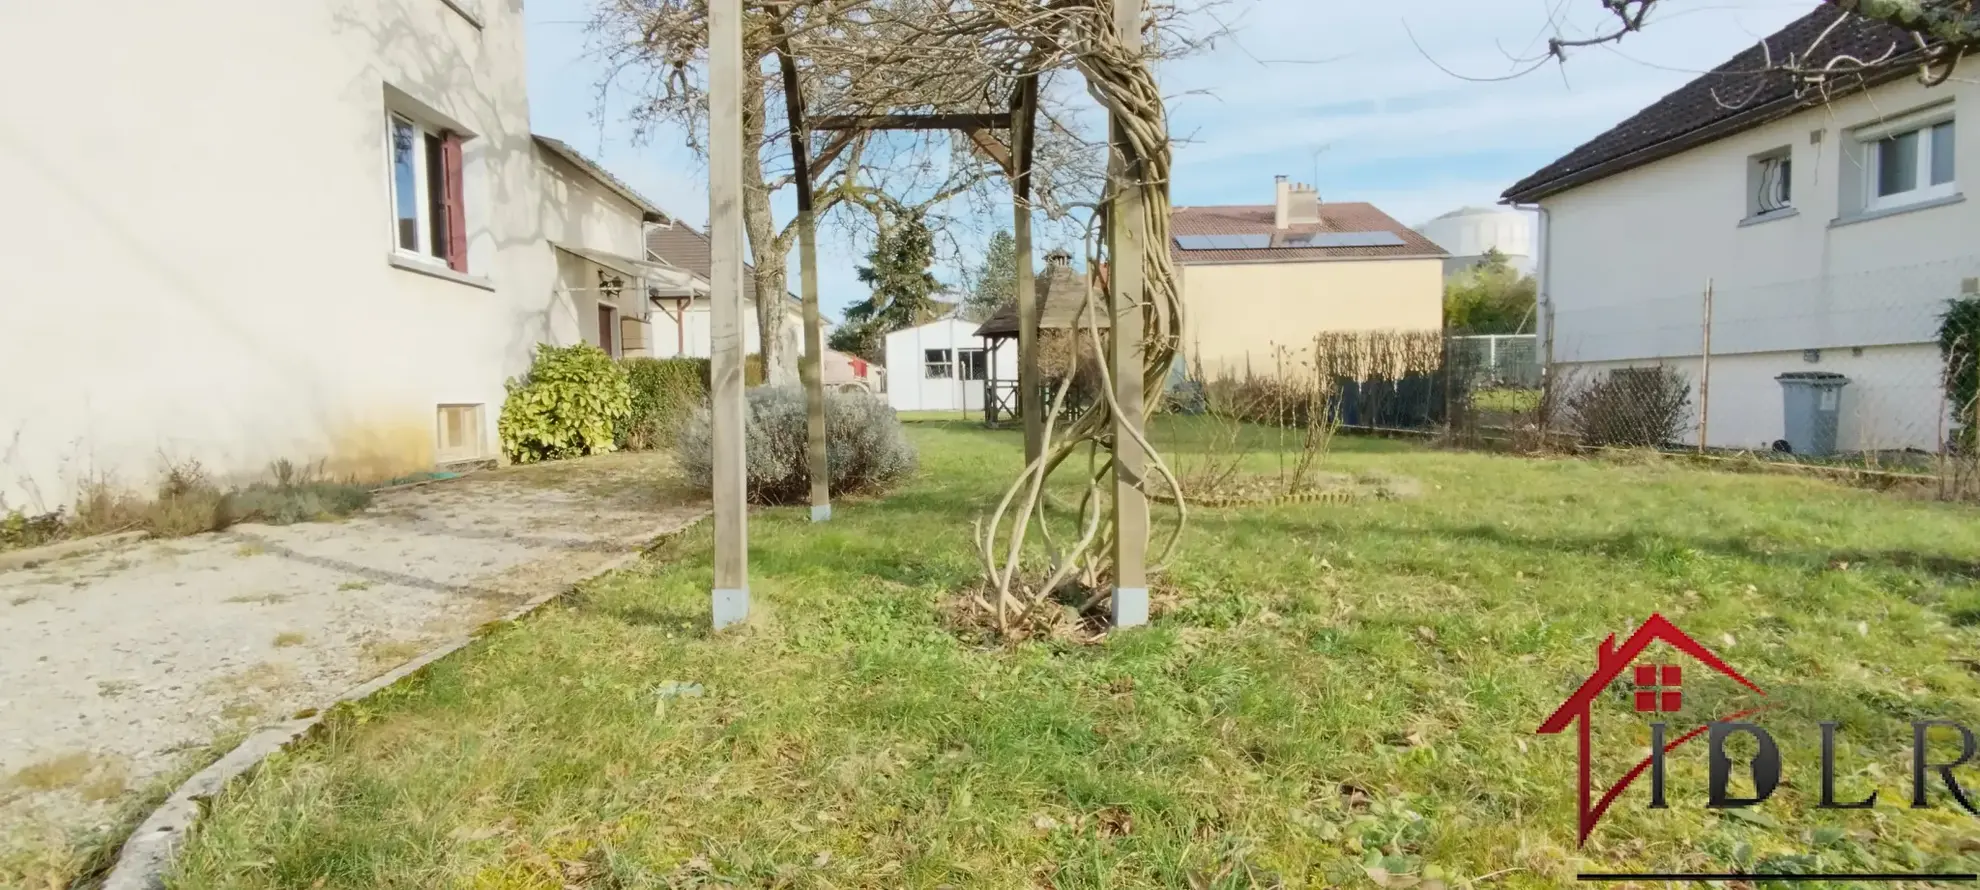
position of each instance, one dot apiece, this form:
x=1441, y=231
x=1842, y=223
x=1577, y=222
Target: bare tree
x=855, y=56
x=1927, y=37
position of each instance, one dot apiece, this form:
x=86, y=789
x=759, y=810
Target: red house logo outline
x=1611, y=661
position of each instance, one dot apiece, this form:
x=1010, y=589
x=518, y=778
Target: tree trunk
x=768, y=253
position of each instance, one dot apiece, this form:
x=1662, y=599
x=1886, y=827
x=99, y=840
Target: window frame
x=974, y=372
x=1765, y=187
x=422, y=247
x=1873, y=142
x=431, y=238
x=947, y=364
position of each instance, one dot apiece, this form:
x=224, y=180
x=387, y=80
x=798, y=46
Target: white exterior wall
x=195, y=265
x=696, y=341
x=576, y=210
x=909, y=388
x=1631, y=255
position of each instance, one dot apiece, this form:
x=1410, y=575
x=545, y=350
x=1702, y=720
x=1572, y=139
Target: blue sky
x=1333, y=91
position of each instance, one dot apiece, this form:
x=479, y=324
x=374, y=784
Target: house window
x=1908, y=164
x=972, y=364
x=428, y=216
x=458, y=433
x=937, y=364
x=1770, y=183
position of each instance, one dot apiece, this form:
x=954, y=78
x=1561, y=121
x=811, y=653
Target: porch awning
x=660, y=278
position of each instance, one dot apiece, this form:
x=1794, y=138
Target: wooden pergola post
x=725, y=231
x=1024, y=111
x=1125, y=277
x=811, y=367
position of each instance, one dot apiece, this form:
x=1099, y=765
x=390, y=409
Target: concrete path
x=114, y=666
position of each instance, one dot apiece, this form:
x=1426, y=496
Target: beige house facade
x=1831, y=231
x=1259, y=282
x=248, y=231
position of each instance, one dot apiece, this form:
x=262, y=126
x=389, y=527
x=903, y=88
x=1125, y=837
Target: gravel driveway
x=115, y=665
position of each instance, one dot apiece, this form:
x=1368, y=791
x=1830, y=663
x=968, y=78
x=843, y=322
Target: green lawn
x=1342, y=695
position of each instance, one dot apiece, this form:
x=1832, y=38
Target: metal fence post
x=1705, y=371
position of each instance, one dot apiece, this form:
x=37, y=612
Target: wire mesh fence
x=1876, y=369
x=1843, y=367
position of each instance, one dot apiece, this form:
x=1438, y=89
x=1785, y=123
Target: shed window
x=937, y=364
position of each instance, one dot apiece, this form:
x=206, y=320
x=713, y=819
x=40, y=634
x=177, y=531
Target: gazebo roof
x=1060, y=291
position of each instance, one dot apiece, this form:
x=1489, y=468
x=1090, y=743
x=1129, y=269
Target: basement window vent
x=459, y=432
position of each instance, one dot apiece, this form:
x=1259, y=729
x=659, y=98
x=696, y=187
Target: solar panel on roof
x=1253, y=242
x=1194, y=242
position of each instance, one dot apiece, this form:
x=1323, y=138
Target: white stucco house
x=941, y=366
x=1831, y=230
x=246, y=231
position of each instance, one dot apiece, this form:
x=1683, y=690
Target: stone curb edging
x=1305, y=497
x=154, y=846
x=33, y=556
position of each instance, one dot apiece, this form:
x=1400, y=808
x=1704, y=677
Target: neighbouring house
x=1828, y=223
x=353, y=289
x=597, y=226
x=683, y=327
x=1469, y=233
x=941, y=366
x=1260, y=281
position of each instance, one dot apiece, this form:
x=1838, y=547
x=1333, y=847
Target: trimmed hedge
x=664, y=393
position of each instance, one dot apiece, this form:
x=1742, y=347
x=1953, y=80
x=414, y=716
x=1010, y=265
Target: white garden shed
x=941, y=366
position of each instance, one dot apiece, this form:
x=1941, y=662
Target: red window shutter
x=450, y=160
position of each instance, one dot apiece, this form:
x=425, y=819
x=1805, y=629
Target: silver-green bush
x=866, y=447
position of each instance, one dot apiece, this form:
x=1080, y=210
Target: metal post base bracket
x=731, y=607
x=821, y=512
x=1130, y=606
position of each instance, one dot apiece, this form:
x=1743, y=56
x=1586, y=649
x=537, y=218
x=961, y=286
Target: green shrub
x=568, y=405
x=664, y=391
x=296, y=495
x=866, y=448
x=1959, y=351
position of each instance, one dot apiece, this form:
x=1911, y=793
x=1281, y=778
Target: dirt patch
x=137, y=655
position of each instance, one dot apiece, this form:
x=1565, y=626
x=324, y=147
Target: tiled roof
x=577, y=159
x=1257, y=219
x=1735, y=96
x=684, y=247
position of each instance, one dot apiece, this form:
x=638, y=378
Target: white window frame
x=963, y=370
x=1870, y=140
x=1761, y=189
x=946, y=362
x=422, y=250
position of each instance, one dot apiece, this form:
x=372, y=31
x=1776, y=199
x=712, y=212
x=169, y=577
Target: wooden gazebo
x=1060, y=292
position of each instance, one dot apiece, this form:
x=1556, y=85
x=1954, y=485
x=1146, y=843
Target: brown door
x=606, y=323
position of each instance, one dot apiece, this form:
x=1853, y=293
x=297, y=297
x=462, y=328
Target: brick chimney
x=1294, y=203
